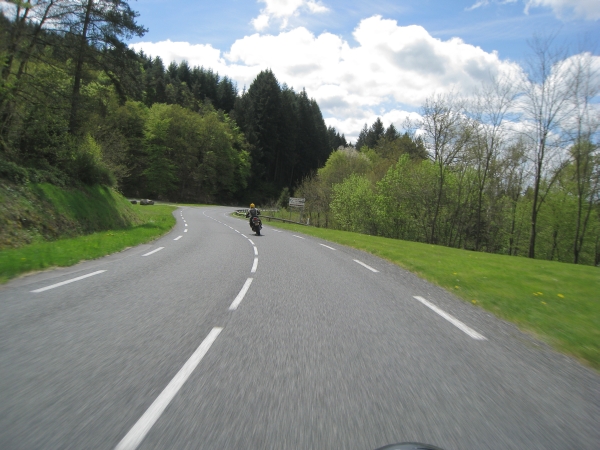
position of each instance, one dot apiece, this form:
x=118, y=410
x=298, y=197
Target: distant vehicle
x=256, y=225
x=146, y=201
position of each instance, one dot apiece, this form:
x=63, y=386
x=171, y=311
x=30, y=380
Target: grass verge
x=155, y=221
x=559, y=303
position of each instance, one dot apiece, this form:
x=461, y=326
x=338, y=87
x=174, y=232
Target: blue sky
x=361, y=59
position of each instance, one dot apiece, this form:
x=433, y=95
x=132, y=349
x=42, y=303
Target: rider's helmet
x=251, y=205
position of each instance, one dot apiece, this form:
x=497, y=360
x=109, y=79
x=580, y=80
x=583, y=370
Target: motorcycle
x=256, y=225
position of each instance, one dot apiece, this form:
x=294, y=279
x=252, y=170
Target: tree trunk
x=73, y=121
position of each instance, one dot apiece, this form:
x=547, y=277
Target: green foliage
x=287, y=134
x=35, y=212
x=353, y=204
x=193, y=156
x=152, y=223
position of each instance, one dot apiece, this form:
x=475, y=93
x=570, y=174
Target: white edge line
x=364, y=265
x=72, y=280
x=138, y=432
x=255, y=251
x=254, y=265
x=327, y=246
x=241, y=295
x=299, y=237
x=251, y=241
x=454, y=321
x=153, y=251
x=177, y=238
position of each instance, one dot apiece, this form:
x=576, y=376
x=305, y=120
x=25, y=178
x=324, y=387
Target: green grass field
x=154, y=222
x=558, y=303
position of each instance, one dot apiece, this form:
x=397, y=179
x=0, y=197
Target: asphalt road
x=212, y=338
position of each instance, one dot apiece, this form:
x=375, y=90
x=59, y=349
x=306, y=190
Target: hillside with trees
x=78, y=107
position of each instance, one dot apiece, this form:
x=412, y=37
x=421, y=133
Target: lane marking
x=185, y=231
x=254, y=266
x=241, y=295
x=237, y=231
x=364, y=265
x=153, y=251
x=331, y=248
x=72, y=280
x=244, y=235
x=299, y=237
x=454, y=321
x=177, y=238
x=186, y=224
x=251, y=241
x=139, y=431
x=255, y=251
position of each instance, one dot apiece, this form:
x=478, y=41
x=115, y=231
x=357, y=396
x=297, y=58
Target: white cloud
x=316, y=8
x=283, y=10
x=587, y=9
x=478, y=4
x=563, y=9
x=390, y=69
x=195, y=55
x=261, y=22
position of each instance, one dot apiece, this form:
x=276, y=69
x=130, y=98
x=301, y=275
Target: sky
x=361, y=60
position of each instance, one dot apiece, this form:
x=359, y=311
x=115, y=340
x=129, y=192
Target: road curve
x=214, y=338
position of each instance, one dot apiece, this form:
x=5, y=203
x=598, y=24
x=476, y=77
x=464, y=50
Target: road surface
x=212, y=338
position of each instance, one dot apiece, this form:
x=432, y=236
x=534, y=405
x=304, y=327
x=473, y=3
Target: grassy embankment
x=45, y=226
x=558, y=303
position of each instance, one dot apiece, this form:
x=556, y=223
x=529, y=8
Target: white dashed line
x=237, y=231
x=153, y=251
x=251, y=241
x=457, y=323
x=254, y=266
x=137, y=434
x=255, y=251
x=299, y=237
x=185, y=231
x=241, y=295
x=364, y=265
x=72, y=280
x=245, y=236
x=177, y=238
x=330, y=248
x=186, y=224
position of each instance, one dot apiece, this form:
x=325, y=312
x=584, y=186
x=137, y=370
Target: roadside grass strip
x=156, y=221
x=556, y=302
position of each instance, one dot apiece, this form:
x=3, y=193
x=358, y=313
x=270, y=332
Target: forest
x=514, y=169
x=77, y=106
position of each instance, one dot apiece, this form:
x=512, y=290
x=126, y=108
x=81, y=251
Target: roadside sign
x=299, y=202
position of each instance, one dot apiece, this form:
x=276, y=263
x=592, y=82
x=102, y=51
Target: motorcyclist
x=252, y=212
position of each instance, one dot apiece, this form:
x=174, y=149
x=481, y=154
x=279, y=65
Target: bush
x=13, y=172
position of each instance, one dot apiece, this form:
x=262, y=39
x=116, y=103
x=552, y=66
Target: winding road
x=212, y=338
